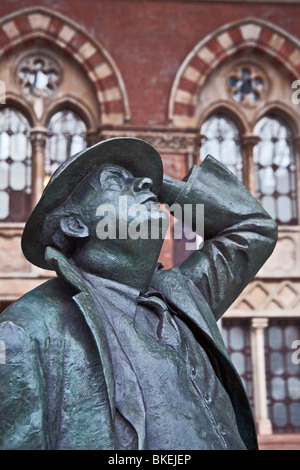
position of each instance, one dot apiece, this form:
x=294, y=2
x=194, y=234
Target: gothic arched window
x=276, y=170
x=222, y=141
x=15, y=166
x=66, y=136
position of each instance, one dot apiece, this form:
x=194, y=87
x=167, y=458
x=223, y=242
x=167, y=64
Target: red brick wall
x=148, y=40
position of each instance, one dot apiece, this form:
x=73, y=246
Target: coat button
x=222, y=429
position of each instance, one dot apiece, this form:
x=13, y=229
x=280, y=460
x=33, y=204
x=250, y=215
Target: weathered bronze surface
x=116, y=352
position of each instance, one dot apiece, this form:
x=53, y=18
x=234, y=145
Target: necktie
x=167, y=330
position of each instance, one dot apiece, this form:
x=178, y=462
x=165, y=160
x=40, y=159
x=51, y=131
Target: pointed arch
x=285, y=113
x=222, y=107
x=39, y=22
x=215, y=48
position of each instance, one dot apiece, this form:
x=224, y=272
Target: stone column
x=38, y=136
x=92, y=138
x=197, y=147
x=296, y=148
x=248, y=142
x=296, y=143
x=263, y=424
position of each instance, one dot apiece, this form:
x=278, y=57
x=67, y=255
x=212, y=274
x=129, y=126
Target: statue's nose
x=142, y=184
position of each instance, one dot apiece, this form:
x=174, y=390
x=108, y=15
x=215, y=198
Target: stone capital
x=259, y=323
x=296, y=141
x=249, y=140
x=38, y=136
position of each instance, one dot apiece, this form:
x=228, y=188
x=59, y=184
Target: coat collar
x=180, y=291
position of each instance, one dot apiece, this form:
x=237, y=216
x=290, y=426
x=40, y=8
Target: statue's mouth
x=152, y=198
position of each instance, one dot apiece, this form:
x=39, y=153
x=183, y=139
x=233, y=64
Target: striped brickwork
x=30, y=24
x=217, y=47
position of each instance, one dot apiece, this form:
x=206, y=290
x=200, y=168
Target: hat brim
x=136, y=155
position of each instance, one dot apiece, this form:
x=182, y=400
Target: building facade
x=191, y=78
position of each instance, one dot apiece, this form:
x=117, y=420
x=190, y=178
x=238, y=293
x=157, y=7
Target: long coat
x=57, y=383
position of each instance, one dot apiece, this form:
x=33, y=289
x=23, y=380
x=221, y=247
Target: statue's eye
x=114, y=182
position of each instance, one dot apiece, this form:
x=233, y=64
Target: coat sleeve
x=239, y=235
x=21, y=391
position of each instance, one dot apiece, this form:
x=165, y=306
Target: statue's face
x=120, y=229
x=115, y=182
x=124, y=204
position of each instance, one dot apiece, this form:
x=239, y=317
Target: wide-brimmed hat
x=136, y=155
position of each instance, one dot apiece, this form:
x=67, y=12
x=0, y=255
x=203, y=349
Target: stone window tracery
x=221, y=140
x=38, y=75
x=15, y=166
x=275, y=170
x=236, y=335
x=66, y=136
x=45, y=86
x=283, y=391
x=246, y=84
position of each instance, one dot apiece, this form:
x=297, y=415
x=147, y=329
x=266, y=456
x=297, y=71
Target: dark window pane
x=19, y=205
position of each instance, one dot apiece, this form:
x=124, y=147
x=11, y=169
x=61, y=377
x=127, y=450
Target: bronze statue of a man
x=115, y=352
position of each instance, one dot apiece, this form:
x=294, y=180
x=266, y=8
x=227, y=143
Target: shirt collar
x=122, y=296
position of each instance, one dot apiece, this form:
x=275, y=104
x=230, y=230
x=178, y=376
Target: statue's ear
x=74, y=227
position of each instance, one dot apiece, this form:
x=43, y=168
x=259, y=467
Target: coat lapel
x=90, y=309
x=85, y=303
x=182, y=293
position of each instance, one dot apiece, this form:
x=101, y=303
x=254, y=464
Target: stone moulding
x=31, y=23
x=214, y=48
